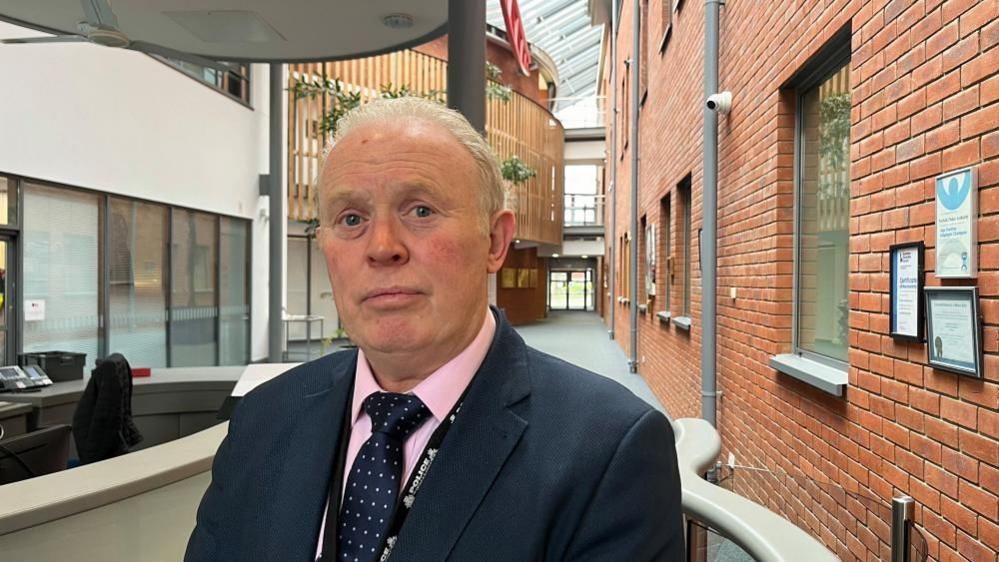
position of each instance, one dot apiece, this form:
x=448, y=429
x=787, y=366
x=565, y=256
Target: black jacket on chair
x=102, y=424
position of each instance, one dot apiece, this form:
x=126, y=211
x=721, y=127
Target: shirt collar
x=441, y=390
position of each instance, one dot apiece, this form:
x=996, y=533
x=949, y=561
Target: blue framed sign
x=954, y=330
x=906, y=319
x=956, y=224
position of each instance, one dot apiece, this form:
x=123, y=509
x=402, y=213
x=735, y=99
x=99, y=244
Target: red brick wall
x=925, y=97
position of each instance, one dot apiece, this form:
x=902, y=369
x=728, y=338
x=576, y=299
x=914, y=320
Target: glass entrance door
x=571, y=290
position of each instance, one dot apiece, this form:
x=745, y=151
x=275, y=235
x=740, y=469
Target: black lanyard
x=407, y=495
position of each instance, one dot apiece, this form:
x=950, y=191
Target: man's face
x=404, y=242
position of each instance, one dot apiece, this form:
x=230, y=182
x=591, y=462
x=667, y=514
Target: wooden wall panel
x=518, y=127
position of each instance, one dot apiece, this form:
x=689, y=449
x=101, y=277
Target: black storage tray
x=58, y=365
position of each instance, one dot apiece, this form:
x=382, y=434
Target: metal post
x=636, y=84
x=277, y=219
x=901, y=519
x=709, y=238
x=466, y=52
x=612, y=247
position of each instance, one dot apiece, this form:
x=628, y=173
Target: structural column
x=466, y=55
x=275, y=296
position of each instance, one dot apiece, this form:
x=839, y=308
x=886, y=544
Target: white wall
x=121, y=122
x=584, y=151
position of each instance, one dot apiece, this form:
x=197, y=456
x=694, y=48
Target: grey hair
x=491, y=191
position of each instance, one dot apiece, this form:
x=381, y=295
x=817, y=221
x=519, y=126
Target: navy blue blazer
x=546, y=461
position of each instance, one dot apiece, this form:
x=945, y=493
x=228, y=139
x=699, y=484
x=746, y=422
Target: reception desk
x=139, y=506
x=14, y=418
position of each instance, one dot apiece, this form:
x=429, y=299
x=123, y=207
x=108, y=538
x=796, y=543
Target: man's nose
x=385, y=246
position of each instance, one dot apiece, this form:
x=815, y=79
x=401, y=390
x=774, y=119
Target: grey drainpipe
x=611, y=252
x=709, y=239
x=636, y=82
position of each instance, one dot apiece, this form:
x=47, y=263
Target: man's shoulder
x=570, y=386
x=301, y=380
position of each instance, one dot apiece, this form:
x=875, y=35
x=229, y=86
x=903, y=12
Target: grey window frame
x=833, y=57
x=16, y=332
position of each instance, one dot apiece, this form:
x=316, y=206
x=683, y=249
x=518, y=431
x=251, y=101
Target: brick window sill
x=825, y=378
x=682, y=322
x=663, y=316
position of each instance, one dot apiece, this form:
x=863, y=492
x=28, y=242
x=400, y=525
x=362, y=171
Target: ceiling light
x=516, y=241
x=584, y=256
x=554, y=255
x=398, y=21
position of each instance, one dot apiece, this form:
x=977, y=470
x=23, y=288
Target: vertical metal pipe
x=709, y=237
x=612, y=247
x=104, y=291
x=636, y=82
x=466, y=52
x=901, y=517
x=278, y=216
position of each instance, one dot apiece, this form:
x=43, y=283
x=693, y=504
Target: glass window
x=61, y=271
x=193, y=298
x=665, y=218
x=583, y=204
x=137, y=260
x=235, y=82
x=234, y=324
x=8, y=201
x=683, y=195
x=823, y=201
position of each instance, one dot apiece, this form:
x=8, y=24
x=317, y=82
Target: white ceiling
x=250, y=30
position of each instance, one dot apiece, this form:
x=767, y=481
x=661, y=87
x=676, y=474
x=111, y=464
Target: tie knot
x=397, y=415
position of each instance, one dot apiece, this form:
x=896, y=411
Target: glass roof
x=562, y=29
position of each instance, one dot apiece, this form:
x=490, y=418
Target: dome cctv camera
x=720, y=102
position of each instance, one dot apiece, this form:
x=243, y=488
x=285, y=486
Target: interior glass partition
x=62, y=265
x=193, y=289
x=137, y=261
x=234, y=291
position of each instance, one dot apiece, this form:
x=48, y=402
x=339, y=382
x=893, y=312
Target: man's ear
x=501, y=229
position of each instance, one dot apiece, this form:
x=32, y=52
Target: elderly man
x=443, y=437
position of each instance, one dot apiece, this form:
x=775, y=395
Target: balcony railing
x=584, y=210
x=514, y=127
x=579, y=112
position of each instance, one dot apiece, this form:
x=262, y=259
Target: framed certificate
x=954, y=330
x=906, y=291
x=957, y=224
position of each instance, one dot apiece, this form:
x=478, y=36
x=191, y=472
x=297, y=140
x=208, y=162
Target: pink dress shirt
x=440, y=392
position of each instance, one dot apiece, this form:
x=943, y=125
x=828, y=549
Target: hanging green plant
x=515, y=171
x=342, y=99
x=495, y=90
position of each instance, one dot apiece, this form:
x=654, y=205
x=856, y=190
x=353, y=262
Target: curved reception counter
x=139, y=506
x=142, y=506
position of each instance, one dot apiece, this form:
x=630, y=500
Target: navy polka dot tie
x=375, y=477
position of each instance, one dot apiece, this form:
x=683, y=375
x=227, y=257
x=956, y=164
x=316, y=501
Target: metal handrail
x=763, y=534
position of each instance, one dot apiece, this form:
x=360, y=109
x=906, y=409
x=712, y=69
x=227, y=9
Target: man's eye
x=422, y=211
x=351, y=219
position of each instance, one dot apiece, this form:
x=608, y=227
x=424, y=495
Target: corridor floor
x=577, y=337
x=581, y=338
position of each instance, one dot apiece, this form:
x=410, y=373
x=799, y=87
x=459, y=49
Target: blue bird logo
x=954, y=193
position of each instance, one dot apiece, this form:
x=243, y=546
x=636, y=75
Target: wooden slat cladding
x=516, y=127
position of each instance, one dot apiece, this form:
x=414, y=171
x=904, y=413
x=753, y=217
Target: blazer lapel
x=474, y=451
x=298, y=496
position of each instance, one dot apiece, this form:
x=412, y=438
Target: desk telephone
x=29, y=377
